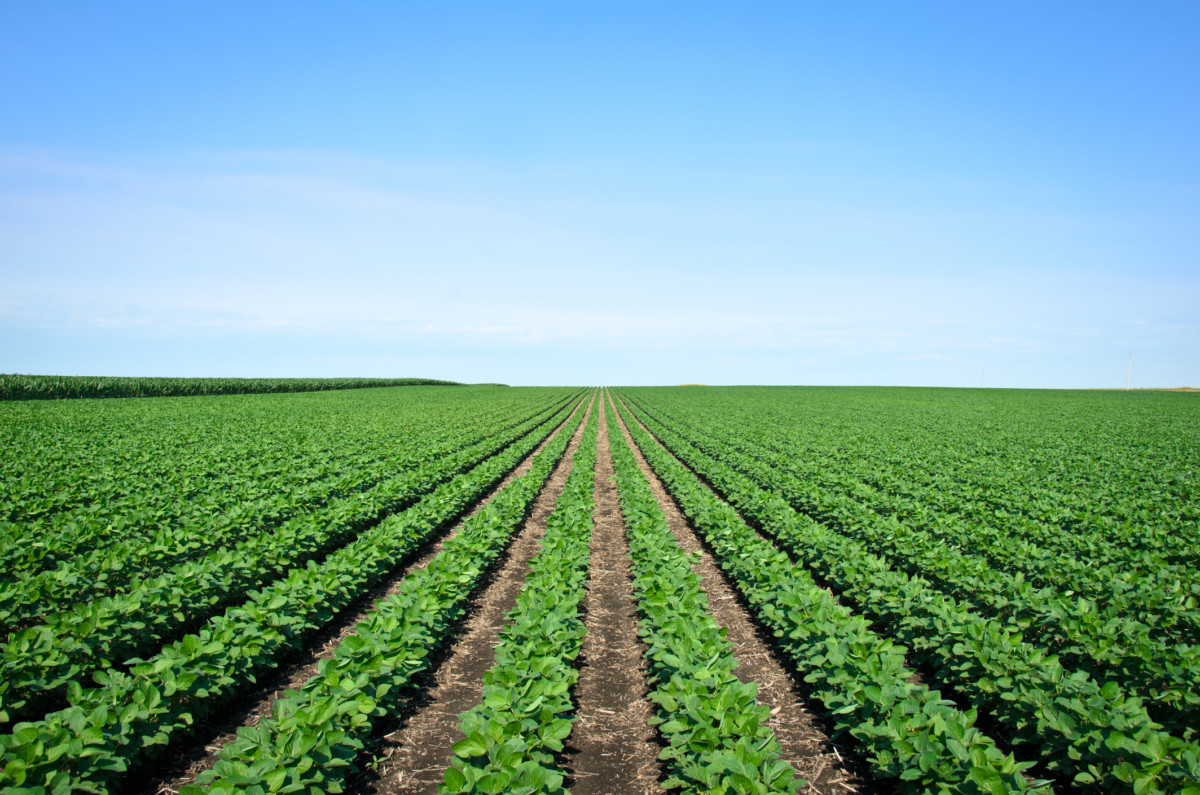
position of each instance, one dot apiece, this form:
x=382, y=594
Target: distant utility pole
x=981, y=379
x=1129, y=373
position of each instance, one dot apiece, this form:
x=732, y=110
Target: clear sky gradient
x=625, y=193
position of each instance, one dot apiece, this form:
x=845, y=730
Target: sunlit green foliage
x=1087, y=658
x=120, y=718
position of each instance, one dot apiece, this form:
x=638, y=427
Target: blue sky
x=538, y=193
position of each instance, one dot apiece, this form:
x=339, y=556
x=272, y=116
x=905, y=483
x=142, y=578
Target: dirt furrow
x=200, y=751
x=805, y=744
x=612, y=747
x=415, y=754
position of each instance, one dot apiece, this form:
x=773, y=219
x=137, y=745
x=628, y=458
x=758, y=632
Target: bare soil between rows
x=612, y=747
x=415, y=753
x=827, y=766
x=923, y=673
x=199, y=752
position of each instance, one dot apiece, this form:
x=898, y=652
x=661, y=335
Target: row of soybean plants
x=912, y=736
x=513, y=739
x=1118, y=482
x=169, y=475
x=908, y=463
x=53, y=597
x=711, y=723
x=1094, y=735
x=92, y=454
x=1075, y=460
x=1141, y=638
x=133, y=707
x=1159, y=595
x=712, y=728
x=314, y=733
x=38, y=662
x=128, y=442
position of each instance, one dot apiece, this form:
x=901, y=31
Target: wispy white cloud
x=301, y=244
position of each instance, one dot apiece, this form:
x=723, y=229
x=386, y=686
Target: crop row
x=1088, y=637
x=77, y=489
x=313, y=734
x=1109, y=487
x=38, y=662
x=1037, y=523
x=1126, y=582
x=512, y=737
x=127, y=717
x=95, y=457
x=110, y=569
x=1086, y=464
x=1095, y=735
x=909, y=733
x=70, y=465
x=714, y=728
x=1135, y=584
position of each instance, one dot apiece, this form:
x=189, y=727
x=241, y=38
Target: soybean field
x=482, y=589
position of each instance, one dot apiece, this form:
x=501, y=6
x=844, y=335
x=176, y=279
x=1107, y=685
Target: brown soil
x=415, y=755
x=612, y=747
x=200, y=751
x=805, y=745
